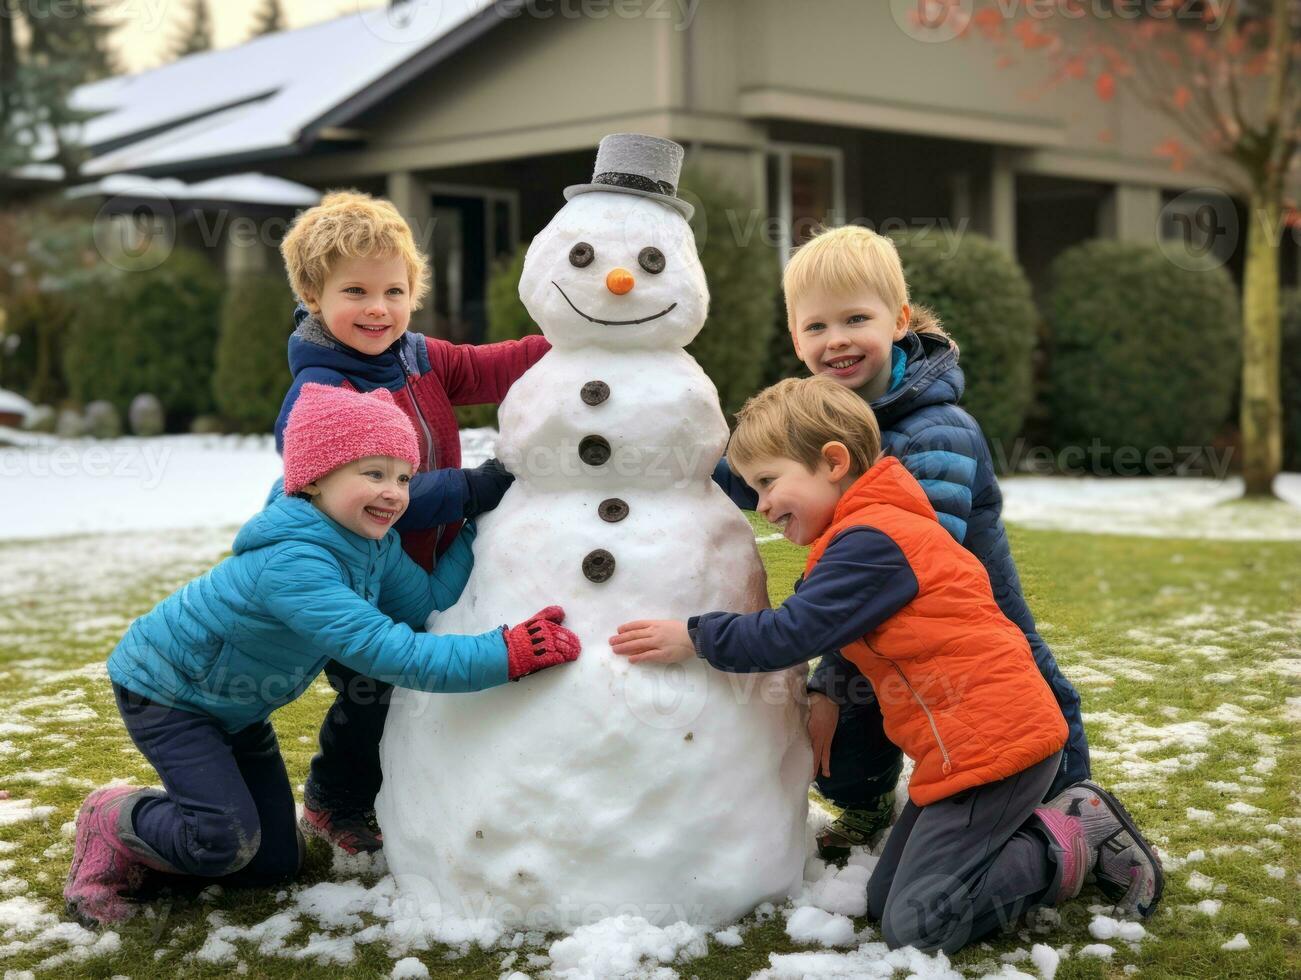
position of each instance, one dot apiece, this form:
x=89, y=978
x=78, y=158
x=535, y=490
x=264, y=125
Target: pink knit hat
x=329, y=427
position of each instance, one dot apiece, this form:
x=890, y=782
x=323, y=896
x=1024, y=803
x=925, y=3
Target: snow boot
x=350, y=829
x=1125, y=865
x=857, y=827
x=104, y=865
x=1067, y=834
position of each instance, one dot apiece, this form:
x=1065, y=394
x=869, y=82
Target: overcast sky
x=147, y=26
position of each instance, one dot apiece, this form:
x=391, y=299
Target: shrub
x=983, y=300
x=151, y=330
x=1291, y=379
x=1143, y=353
x=744, y=285
x=251, y=374
x=32, y=326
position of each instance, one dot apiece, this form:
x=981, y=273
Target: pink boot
x=1067, y=834
x=102, y=865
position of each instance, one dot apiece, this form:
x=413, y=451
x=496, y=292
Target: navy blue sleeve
x=734, y=486
x=437, y=497
x=862, y=580
x=832, y=677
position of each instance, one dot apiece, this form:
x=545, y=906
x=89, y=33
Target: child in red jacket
x=358, y=273
x=975, y=847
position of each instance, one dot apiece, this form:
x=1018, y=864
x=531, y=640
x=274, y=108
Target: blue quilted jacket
x=943, y=447
x=299, y=589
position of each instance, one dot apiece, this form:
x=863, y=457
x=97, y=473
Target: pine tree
x=269, y=19
x=63, y=44
x=196, y=35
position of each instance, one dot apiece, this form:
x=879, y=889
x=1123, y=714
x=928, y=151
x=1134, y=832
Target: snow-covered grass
x=1185, y=653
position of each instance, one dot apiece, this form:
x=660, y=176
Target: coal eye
x=652, y=260
x=581, y=255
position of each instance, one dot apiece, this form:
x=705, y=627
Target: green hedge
x=148, y=331
x=251, y=374
x=1143, y=353
x=1291, y=379
x=34, y=325
x=983, y=300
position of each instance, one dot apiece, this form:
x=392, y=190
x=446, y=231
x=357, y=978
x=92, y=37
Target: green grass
x=1157, y=634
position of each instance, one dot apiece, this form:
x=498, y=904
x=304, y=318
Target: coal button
x=598, y=566
x=613, y=510
x=595, y=392
x=594, y=450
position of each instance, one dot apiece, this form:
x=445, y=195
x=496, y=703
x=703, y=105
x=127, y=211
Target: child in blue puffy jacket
x=319, y=574
x=851, y=320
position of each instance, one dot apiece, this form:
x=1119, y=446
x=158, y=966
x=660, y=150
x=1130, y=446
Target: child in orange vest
x=975, y=847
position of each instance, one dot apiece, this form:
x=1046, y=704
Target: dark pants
x=957, y=870
x=345, y=773
x=865, y=764
x=228, y=810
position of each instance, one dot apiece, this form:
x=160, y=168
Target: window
x=806, y=189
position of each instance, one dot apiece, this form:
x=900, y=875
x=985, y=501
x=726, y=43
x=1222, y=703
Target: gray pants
x=957, y=870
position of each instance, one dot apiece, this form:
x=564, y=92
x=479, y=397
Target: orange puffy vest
x=958, y=687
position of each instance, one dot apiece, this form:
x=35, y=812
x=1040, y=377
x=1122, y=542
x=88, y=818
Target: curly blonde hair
x=350, y=224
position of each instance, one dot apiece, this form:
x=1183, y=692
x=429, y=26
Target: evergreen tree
x=61, y=44
x=196, y=35
x=269, y=19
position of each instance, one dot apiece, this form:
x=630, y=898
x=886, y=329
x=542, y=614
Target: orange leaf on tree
x=1105, y=86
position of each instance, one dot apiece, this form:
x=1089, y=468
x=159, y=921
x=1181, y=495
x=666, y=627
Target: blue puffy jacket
x=943, y=447
x=299, y=589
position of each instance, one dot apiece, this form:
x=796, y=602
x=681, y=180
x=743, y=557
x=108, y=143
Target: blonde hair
x=795, y=418
x=843, y=260
x=349, y=224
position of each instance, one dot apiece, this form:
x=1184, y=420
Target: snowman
x=678, y=793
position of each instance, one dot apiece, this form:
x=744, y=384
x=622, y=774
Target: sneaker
x=355, y=831
x=858, y=827
x=103, y=867
x=1125, y=865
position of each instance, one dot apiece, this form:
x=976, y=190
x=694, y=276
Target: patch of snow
x=1097, y=950
x=1165, y=507
x=1236, y=943
x=728, y=937
x=871, y=960
x=1198, y=882
x=1209, y=906
x=409, y=968
x=21, y=811
x=1246, y=809
x=811, y=925
x=1105, y=927
x=623, y=946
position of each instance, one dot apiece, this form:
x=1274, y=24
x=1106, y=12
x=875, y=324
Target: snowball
x=813, y=925
x=1045, y=959
x=1209, y=906
x=1099, y=950
x=728, y=937
x=409, y=968
x=622, y=945
x=1105, y=927
x=1236, y=943
x=839, y=890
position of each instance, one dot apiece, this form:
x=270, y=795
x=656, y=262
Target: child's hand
x=540, y=642
x=823, y=716
x=659, y=641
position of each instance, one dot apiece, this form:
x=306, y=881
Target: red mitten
x=540, y=641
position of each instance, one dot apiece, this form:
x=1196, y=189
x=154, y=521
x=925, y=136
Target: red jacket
x=957, y=684
x=427, y=376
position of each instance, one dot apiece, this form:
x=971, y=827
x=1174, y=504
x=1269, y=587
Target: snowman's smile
x=614, y=323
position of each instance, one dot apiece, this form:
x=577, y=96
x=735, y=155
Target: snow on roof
x=249, y=188
x=261, y=95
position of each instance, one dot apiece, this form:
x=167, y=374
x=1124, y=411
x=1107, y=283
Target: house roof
x=247, y=188
x=272, y=95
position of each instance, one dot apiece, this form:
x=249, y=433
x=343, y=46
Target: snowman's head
x=615, y=270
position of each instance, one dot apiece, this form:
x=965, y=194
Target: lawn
x=1185, y=652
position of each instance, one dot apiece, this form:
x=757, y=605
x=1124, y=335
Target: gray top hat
x=630, y=163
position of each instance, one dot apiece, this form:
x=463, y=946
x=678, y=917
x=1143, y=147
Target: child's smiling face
x=799, y=501
x=848, y=336
x=365, y=303
x=366, y=496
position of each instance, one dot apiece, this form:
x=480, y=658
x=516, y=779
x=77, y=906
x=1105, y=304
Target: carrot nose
x=619, y=281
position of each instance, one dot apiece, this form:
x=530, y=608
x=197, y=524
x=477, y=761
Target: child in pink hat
x=319, y=574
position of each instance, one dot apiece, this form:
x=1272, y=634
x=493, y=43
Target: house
x=472, y=115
